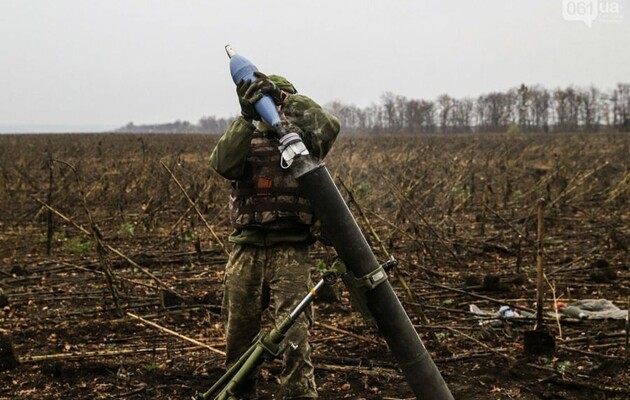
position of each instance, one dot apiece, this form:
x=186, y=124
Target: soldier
x=272, y=223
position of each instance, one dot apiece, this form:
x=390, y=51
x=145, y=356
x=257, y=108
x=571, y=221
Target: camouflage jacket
x=318, y=129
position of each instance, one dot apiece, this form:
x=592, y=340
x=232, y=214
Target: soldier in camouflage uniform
x=272, y=221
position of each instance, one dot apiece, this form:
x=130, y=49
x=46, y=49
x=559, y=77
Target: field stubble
x=457, y=211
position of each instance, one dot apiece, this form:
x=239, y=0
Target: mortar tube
x=414, y=360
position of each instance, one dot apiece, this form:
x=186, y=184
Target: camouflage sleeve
x=229, y=155
x=319, y=127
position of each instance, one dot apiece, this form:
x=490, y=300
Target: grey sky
x=78, y=62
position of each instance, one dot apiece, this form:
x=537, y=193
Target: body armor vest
x=268, y=195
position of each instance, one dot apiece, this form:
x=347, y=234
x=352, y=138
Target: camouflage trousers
x=255, y=278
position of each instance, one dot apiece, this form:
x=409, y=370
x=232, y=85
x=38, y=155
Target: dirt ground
x=458, y=212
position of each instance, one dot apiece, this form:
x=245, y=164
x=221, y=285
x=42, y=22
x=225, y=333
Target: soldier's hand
x=248, y=94
x=269, y=88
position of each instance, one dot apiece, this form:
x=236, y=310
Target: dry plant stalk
x=81, y=355
x=97, y=237
x=347, y=333
x=110, y=248
x=132, y=281
x=577, y=182
x=192, y=204
x=552, y=286
x=400, y=199
x=170, y=332
x=49, y=214
x=378, y=372
x=412, y=296
x=480, y=343
x=540, y=205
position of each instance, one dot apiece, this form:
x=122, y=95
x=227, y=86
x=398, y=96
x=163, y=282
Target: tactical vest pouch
x=268, y=195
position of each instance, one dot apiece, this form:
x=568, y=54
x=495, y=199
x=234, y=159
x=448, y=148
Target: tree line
x=521, y=109
x=206, y=124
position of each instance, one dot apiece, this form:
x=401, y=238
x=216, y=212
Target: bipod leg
x=266, y=347
x=227, y=375
x=249, y=365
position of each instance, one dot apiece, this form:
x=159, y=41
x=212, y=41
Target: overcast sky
x=105, y=63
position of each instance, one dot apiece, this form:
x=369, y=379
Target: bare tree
x=589, y=109
x=620, y=100
x=445, y=106
x=495, y=111
x=539, y=108
x=532, y=108
x=524, y=105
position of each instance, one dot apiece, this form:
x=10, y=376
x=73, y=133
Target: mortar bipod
x=267, y=347
x=357, y=287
